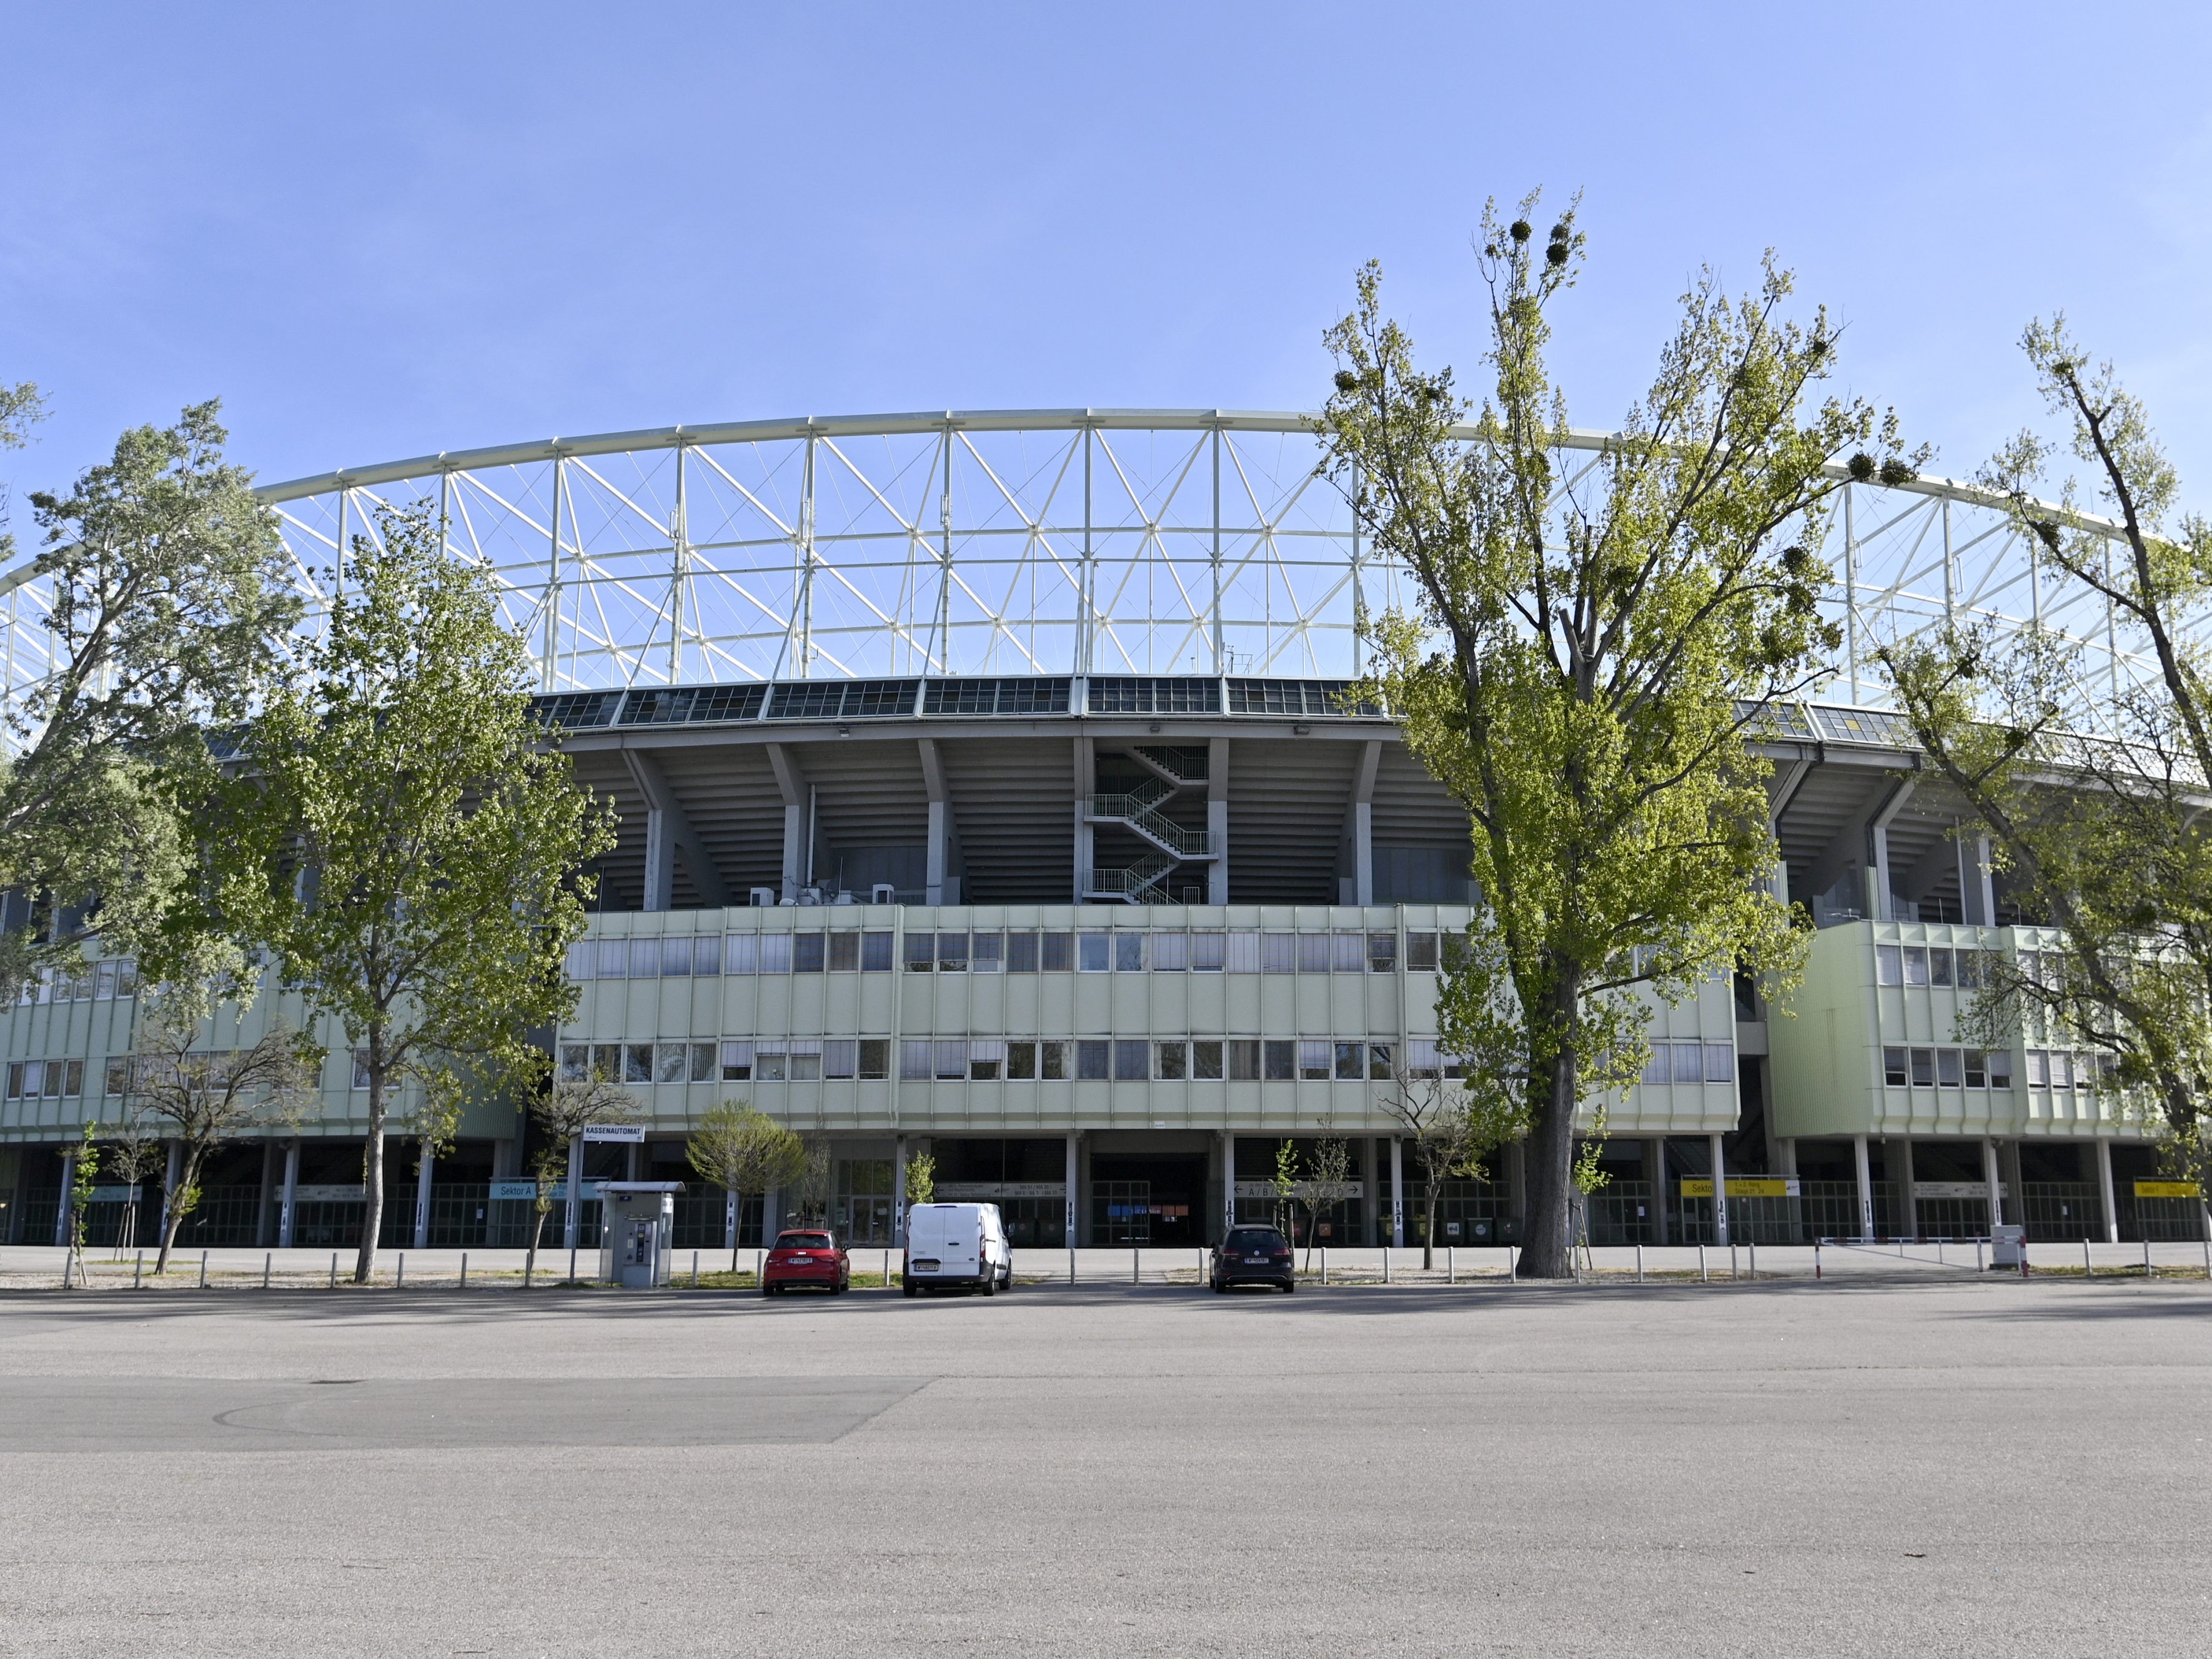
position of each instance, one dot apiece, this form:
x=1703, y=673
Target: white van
x=958, y=1244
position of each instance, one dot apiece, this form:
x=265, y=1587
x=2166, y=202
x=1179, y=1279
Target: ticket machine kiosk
x=637, y=1221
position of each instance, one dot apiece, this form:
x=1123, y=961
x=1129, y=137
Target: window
x=1977, y=1074
x=645, y=958
x=775, y=953
x=614, y=959
x=1091, y=1058
x=1313, y=953
x=1281, y=1057
x=1171, y=1062
x=876, y=953
x=807, y=955
x=582, y=963
x=1130, y=1061
x=1021, y=1058
x=875, y=1057
x=951, y=1059
x=637, y=1062
x=840, y=1056
x=804, y=1059
x=2062, y=1069
x=1886, y=968
x=1689, y=1062
x=1314, y=1057
x=1659, y=1067
x=952, y=953
x=2038, y=1069
x=741, y=953
x=1129, y=953
x=1055, y=952
x=1421, y=953
x=1278, y=953
x=1052, y=1061
x=915, y=1058
x=1093, y=953
x=1205, y=1059
x=360, y=1068
x=1347, y=952
x=1923, y=1068
x=1892, y=1067
x=2000, y=1068
x=1379, y=1069
x=676, y=958
x=1915, y=965
x=1207, y=952
x=118, y=1075
x=987, y=953
x=1970, y=970
x=1243, y=953
x=1720, y=1062
x=771, y=1065
x=921, y=952
x=1421, y=1058
x=987, y=1059
x=1350, y=1067
x=737, y=1061
x=1383, y=953
x=1244, y=1059
x=1021, y=953
x=1170, y=952
x=607, y=1061
x=1948, y=1071
x=575, y=1062
x=1939, y=967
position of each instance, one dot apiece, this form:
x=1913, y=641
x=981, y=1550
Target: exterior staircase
x=1171, y=844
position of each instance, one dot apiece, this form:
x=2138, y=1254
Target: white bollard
x=695, y=1270
x=465, y=1270
x=1753, y=1247
x=1977, y=1256
x=138, y=1271
x=1639, y=1264
x=1324, y=1264
x=203, y=1256
x=142, y=1257
x=334, y=1270
x=400, y=1281
x=1136, y=1272
x=1512, y=1264
x=1071, y=1264
x=1452, y=1264
x=572, y=1266
x=265, y=1261
x=2088, y=1268
x=1702, y=1278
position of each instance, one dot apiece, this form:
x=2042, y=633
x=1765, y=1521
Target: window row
x=2061, y=1068
x=1690, y=1062
x=105, y=982
x=1020, y=951
x=1929, y=964
x=985, y=1059
x=48, y=1079
x=1949, y=1068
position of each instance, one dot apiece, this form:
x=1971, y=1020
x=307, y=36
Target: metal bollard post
x=572, y=1265
x=138, y=1271
x=1702, y=1278
x=1732, y=1271
x=400, y=1283
x=465, y=1270
x=1324, y=1264
x=265, y=1261
x=1816, y=1258
x=334, y=1270
x=1939, y=1252
x=1071, y=1264
x=1977, y=1256
x=1512, y=1265
x=695, y=1271
x=1386, y=1264
x=1136, y=1272
x=1452, y=1264
x=142, y=1257
x=1202, y=1267
x=2088, y=1268
x=1753, y=1247
x=203, y=1256
x=1639, y=1264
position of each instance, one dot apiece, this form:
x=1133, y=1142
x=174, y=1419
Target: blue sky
x=382, y=231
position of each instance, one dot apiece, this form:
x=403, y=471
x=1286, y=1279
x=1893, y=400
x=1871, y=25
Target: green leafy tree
x=742, y=1150
x=921, y=1179
x=1589, y=645
x=132, y=1154
x=415, y=849
x=1284, y=1182
x=2095, y=813
x=1323, y=1184
x=84, y=1179
x=204, y=1097
x=170, y=604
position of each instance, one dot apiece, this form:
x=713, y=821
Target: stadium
x=988, y=788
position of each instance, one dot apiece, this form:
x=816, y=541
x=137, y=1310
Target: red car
x=806, y=1258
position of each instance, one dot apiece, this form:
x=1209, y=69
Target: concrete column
x=633, y=1155
x=2105, y=1189
x=1863, y=1166
x=61, y=1209
x=2016, y=1200
x=1086, y=785
x=287, y=1214
x=792, y=788
x=1074, y=1189
x=1216, y=818
x=1360, y=824
x=424, y=1167
x=1997, y=1183
x=573, y=1211
x=659, y=861
x=1979, y=884
x=1654, y=1176
x=1900, y=1152
x=1720, y=1191
x=1785, y=1154
x=261, y=1198
x=1398, y=1191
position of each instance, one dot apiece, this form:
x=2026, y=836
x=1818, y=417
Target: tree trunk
x=1428, y=1232
x=371, y=1169
x=537, y=1233
x=1548, y=1251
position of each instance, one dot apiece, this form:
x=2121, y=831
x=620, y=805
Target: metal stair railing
x=1134, y=885
x=1163, y=759
x=1140, y=815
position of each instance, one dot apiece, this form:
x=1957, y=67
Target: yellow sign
x=1742, y=1187
x=2166, y=1189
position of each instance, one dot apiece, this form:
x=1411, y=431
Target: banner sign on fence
x=1977, y=1190
x=2166, y=1189
x=1742, y=1187
x=525, y=1192
x=990, y=1192
x=1267, y=1189
x=328, y=1194
x=632, y=1133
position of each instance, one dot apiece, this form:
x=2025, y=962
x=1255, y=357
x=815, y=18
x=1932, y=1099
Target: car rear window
x=1266, y=1239
x=802, y=1242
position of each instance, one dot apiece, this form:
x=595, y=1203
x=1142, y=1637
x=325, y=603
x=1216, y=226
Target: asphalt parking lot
x=1771, y=1468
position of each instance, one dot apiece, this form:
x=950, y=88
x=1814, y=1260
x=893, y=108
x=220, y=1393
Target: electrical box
x=637, y=1221
x=2008, y=1245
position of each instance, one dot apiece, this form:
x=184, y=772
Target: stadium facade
x=988, y=787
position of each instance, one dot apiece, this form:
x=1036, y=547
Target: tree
x=84, y=1180
x=208, y=1097
x=1286, y=1183
x=1587, y=649
x=921, y=1179
x=132, y=1155
x=742, y=1150
x=811, y=1188
x=572, y=1106
x=415, y=850
x=170, y=604
x=1324, y=1184
x=1451, y=1136
x=2098, y=832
